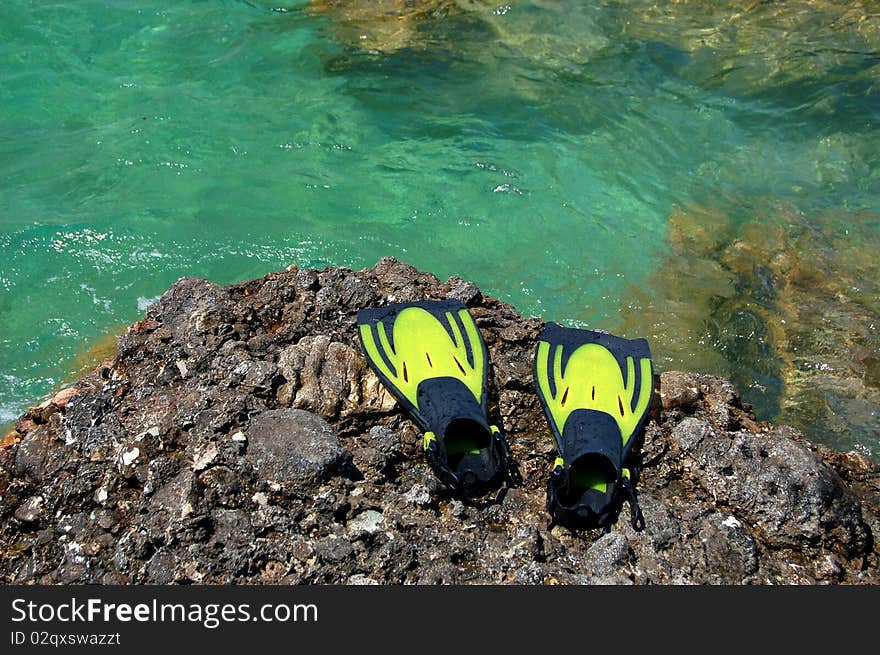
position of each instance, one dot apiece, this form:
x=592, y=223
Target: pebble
x=418, y=495
x=30, y=510
x=205, y=457
x=366, y=523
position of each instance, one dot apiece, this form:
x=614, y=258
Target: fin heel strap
x=637, y=519
x=511, y=470
x=446, y=476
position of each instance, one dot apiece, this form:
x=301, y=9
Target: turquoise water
x=538, y=148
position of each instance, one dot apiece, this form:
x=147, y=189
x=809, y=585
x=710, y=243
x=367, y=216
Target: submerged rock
x=749, y=47
x=384, y=25
x=788, y=305
x=275, y=456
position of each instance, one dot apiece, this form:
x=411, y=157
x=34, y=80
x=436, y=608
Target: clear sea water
x=537, y=148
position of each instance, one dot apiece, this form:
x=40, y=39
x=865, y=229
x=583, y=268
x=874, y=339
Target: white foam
x=145, y=303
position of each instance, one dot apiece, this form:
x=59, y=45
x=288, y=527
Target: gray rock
x=274, y=393
x=661, y=527
x=232, y=527
x=333, y=550
x=780, y=488
x=221, y=486
x=32, y=453
x=106, y=518
x=259, y=376
x=365, y=524
x=177, y=497
x=30, y=510
x=292, y=445
x=307, y=279
x=829, y=568
x=160, y=569
x=532, y=573
x=371, y=460
x=192, y=310
x=418, y=495
x=603, y=580
x=361, y=580
x=355, y=292
x=386, y=441
x=608, y=553
x=81, y=427
x=729, y=553
x=464, y=290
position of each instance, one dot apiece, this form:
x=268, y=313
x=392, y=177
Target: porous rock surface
x=238, y=436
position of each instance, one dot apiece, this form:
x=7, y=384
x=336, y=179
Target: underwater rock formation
x=384, y=26
x=788, y=303
x=239, y=436
x=749, y=47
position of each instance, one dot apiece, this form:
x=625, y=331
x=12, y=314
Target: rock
x=106, y=519
x=371, y=459
x=778, y=487
x=222, y=486
x=333, y=550
x=728, y=552
x=365, y=524
x=25, y=424
x=192, y=311
x=63, y=397
x=419, y=495
x=326, y=377
x=277, y=457
x=85, y=430
x=360, y=579
x=463, y=290
x=177, y=497
x=32, y=453
x=829, y=568
x=160, y=569
x=679, y=390
x=232, y=529
x=602, y=580
x=204, y=457
x=608, y=553
x=386, y=441
x=661, y=526
x=290, y=445
x=307, y=279
x=130, y=455
x=30, y=510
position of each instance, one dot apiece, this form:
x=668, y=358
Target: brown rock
x=10, y=439
x=679, y=390
x=63, y=397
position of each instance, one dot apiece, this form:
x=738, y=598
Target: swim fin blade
x=596, y=390
x=430, y=355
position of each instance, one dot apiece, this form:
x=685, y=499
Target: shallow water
x=546, y=150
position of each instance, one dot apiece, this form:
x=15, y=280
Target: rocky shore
x=238, y=437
